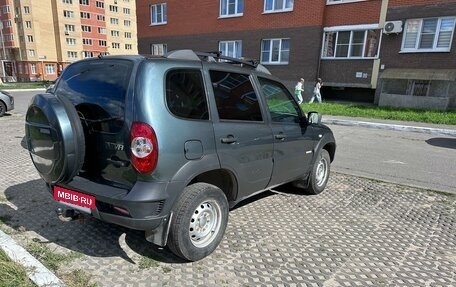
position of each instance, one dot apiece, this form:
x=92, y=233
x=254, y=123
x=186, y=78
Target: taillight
x=144, y=147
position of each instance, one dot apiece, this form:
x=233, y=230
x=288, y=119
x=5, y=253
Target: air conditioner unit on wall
x=392, y=27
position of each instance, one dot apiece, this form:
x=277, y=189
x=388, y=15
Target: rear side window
x=97, y=89
x=235, y=97
x=185, y=94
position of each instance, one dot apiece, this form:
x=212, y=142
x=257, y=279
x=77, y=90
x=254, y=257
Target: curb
x=36, y=271
x=23, y=90
x=395, y=127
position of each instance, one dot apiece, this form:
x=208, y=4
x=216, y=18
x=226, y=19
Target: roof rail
x=215, y=57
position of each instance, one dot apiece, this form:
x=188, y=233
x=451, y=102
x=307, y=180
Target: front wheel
x=199, y=221
x=319, y=175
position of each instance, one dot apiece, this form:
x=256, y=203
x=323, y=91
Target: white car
x=6, y=102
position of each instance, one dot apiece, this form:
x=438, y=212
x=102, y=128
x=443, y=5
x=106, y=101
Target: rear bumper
x=145, y=207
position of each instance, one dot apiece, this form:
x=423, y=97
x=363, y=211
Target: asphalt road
x=407, y=158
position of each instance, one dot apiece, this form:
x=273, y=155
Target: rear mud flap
x=159, y=235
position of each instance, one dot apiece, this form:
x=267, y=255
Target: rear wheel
x=2, y=109
x=199, y=221
x=319, y=175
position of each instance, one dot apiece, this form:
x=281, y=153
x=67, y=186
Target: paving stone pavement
x=358, y=232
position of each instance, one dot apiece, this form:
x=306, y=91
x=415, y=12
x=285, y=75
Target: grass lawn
x=31, y=85
x=369, y=111
x=12, y=274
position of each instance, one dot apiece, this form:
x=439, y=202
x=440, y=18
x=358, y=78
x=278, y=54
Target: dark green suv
x=168, y=144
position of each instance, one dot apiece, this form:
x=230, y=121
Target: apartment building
x=40, y=38
x=348, y=43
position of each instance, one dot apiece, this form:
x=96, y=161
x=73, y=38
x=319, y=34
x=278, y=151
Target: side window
x=280, y=102
x=235, y=97
x=185, y=94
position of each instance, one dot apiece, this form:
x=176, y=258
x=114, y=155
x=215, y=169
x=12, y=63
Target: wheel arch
x=222, y=178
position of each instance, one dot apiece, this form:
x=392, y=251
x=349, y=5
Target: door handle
x=228, y=140
x=280, y=137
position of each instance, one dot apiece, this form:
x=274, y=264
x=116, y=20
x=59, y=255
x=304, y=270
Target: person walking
x=299, y=88
x=316, y=93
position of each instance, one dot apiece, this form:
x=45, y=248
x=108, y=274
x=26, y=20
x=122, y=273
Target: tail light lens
x=144, y=147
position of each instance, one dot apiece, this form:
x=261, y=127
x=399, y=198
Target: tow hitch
x=68, y=214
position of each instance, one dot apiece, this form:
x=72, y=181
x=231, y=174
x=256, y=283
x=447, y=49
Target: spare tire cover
x=55, y=138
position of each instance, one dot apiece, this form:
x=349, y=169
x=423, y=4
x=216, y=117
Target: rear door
x=293, y=145
x=243, y=139
x=98, y=90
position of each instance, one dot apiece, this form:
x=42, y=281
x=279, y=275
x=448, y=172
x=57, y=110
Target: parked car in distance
x=6, y=102
x=169, y=144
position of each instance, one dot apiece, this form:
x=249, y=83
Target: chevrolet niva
x=169, y=144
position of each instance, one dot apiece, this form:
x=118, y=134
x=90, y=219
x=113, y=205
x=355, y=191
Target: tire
x=319, y=175
x=55, y=138
x=2, y=109
x=199, y=221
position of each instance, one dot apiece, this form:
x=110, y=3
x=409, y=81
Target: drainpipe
x=377, y=62
x=323, y=14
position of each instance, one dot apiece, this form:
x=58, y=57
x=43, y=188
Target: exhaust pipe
x=68, y=214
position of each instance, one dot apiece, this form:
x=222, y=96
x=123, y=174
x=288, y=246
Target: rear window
x=185, y=94
x=97, y=89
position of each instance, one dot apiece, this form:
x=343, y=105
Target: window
x=87, y=54
x=185, y=96
x=33, y=68
x=158, y=49
x=126, y=11
x=127, y=23
x=101, y=30
x=278, y=5
x=127, y=35
x=29, y=38
x=28, y=24
x=275, y=51
x=86, y=41
x=115, y=33
x=69, y=28
x=67, y=1
x=68, y=14
x=50, y=69
x=231, y=8
x=113, y=8
x=351, y=44
x=71, y=41
x=86, y=28
x=19, y=66
x=102, y=43
x=114, y=21
x=328, y=2
x=5, y=9
x=158, y=14
x=281, y=105
x=72, y=54
x=128, y=47
x=428, y=35
x=84, y=2
x=31, y=53
x=100, y=17
x=99, y=4
x=418, y=88
x=235, y=97
x=231, y=48
x=116, y=45
x=26, y=9
x=85, y=15
x=7, y=23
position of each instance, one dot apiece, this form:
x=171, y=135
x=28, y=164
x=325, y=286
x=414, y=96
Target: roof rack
x=216, y=57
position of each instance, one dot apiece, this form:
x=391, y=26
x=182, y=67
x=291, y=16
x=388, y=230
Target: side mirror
x=314, y=118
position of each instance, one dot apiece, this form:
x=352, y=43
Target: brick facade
x=198, y=25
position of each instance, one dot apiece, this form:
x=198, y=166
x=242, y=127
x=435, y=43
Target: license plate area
x=73, y=198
